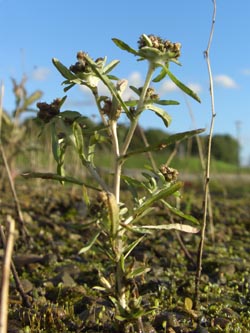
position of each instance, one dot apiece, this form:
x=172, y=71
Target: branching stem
x=139, y=108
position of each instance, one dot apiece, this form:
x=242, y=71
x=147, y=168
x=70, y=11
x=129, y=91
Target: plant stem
x=121, y=288
x=207, y=176
x=139, y=109
x=118, y=165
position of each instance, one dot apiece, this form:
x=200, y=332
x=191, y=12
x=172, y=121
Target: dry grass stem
x=207, y=175
x=6, y=274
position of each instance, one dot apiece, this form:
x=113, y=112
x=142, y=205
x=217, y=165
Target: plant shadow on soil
x=60, y=282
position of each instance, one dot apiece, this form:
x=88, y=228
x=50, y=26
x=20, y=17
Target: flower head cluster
x=170, y=174
x=164, y=46
x=150, y=94
x=49, y=111
x=81, y=66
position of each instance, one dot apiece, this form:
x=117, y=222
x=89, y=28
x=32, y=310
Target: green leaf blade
x=65, y=72
x=165, y=117
x=110, y=66
x=167, y=102
x=90, y=244
x=77, y=131
x=182, y=86
x=172, y=139
x=179, y=213
x=164, y=192
x=124, y=46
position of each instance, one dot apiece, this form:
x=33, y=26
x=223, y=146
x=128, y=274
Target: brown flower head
x=170, y=174
x=150, y=94
x=48, y=111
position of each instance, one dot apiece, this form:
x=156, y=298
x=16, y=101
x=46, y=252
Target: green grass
x=104, y=160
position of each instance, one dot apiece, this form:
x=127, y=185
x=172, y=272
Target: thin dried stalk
x=19, y=287
x=13, y=190
x=4, y=302
x=207, y=175
x=203, y=165
x=173, y=153
x=6, y=165
x=145, y=141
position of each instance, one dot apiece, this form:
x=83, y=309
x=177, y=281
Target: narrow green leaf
x=90, y=244
x=70, y=115
x=131, y=103
x=77, y=131
x=160, y=76
x=137, y=272
x=69, y=87
x=120, y=318
x=110, y=66
x=54, y=143
x=135, y=90
x=85, y=196
x=124, y=46
x=181, y=214
x=163, y=145
x=131, y=181
x=55, y=176
x=162, y=193
x=182, y=86
x=62, y=100
x=160, y=113
x=131, y=246
x=113, y=77
x=133, y=219
x=166, y=102
x=65, y=72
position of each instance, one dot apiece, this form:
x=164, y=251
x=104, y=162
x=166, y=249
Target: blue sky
x=32, y=32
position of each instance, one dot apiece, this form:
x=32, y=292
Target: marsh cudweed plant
x=116, y=220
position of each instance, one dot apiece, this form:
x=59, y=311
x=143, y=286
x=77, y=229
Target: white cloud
x=225, y=81
x=40, y=73
x=135, y=79
x=168, y=86
x=246, y=71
